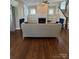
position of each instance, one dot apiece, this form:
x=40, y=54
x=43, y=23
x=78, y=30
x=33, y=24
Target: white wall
x=25, y=12
x=32, y=18
x=54, y=16
x=20, y=11
x=14, y=15
x=42, y=11
x=11, y=20
x=67, y=11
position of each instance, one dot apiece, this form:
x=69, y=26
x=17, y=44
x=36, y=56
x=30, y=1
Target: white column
x=25, y=12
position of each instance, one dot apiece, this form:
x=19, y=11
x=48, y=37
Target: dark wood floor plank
x=35, y=48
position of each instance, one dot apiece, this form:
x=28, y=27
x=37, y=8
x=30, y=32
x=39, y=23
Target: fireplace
x=41, y=20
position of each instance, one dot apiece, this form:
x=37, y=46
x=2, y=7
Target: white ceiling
x=32, y=2
x=36, y=1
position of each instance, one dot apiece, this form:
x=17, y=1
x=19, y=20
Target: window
x=32, y=11
x=51, y=11
x=63, y=4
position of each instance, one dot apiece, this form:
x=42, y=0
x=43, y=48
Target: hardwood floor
x=35, y=48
